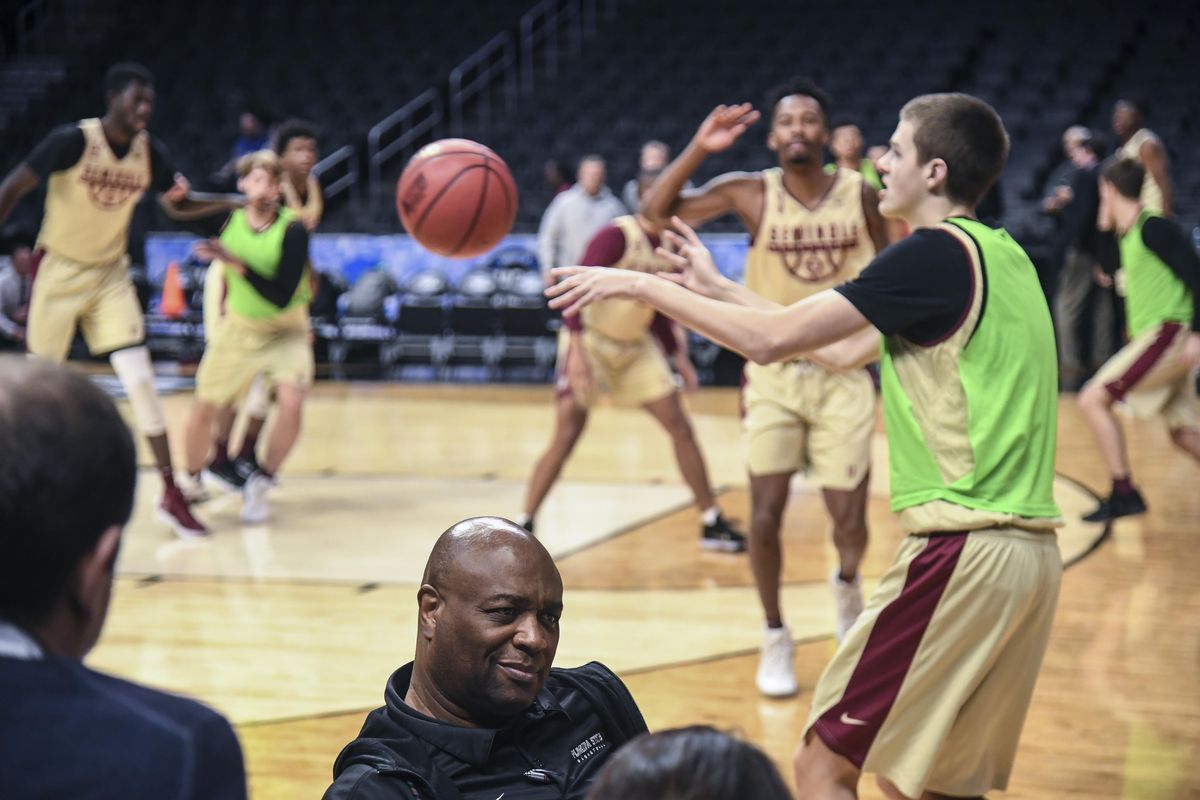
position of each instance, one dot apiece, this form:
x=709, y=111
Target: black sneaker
x=226, y=475
x=722, y=536
x=1117, y=505
x=528, y=525
x=246, y=466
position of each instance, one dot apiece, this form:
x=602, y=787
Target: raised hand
x=724, y=126
x=695, y=269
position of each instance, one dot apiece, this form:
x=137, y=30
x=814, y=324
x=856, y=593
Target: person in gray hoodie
x=574, y=216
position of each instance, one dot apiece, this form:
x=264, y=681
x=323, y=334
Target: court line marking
x=691, y=662
x=149, y=579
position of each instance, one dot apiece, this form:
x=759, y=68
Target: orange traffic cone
x=172, y=304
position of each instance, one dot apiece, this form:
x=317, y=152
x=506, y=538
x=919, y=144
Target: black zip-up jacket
x=553, y=749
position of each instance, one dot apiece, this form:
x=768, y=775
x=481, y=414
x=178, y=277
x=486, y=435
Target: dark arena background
x=435, y=377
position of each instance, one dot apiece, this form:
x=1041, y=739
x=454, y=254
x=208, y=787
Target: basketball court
x=292, y=628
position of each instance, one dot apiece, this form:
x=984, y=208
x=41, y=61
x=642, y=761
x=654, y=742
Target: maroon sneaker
x=173, y=510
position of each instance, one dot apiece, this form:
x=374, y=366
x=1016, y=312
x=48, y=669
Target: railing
x=542, y=26
x=421, y=115
x=345, y=158
x=501, y=59
x=32, y=22
x=496, y=60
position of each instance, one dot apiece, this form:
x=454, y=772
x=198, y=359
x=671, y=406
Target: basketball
x=457, y=198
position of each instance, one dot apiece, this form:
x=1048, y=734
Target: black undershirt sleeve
x=919, y=287
x=279, y=290
x=1168, y=242
x=60, y=150
x=162, y=168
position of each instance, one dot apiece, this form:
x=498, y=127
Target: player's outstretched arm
x=181, y=204
x=696, y=271
x=734, y=191
x=20, y=182
x=761, y=335
x=850, y=353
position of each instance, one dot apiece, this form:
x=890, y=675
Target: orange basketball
x=457, y=198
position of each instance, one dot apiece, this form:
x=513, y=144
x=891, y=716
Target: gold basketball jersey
x=310, y=209
x=1151, y=196
x=798, y=251
x=627, y=320
x=88, y=206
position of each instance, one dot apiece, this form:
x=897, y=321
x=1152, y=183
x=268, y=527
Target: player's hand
x=687, y=372
x=579, y=374
x=1102, y=278
x=694, y=266
x=212, y=249
x=1191, y=352
x=179, y=190
x=724, y=126
x=577, y=287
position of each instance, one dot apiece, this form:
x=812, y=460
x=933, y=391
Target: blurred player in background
x=96, y=171
x=811, y=230
x=263, y=251
x=1151, y=374
x=612, y=348
x=296, y=145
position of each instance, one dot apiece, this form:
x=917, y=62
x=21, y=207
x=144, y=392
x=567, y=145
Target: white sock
x=523, y=519
x=709, y=516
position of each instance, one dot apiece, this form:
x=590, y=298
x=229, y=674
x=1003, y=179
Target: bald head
x=476, y=543
x=489, y=603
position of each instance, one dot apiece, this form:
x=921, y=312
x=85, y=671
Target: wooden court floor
x=292, y=628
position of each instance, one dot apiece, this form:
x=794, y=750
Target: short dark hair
x=842, y=121
x=121, y=75
x=67, y=474
x=804, y=87
x=1125, y=174
x=293, y=129
x=692, y=762
x=967, y=134
x=1137, y=103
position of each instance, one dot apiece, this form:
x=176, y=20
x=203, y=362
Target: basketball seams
x=437, y=213
x=483, y=196
x=433, y=201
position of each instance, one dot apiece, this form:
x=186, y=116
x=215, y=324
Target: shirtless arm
x=1154, y=157
x=20, y=182
x=737, y=192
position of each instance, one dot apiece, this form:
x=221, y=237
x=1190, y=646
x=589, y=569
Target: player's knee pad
x=258, y=399
x=136, y=374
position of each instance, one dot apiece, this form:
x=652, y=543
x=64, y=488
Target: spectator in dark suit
x=1083, y=303
x=67, y=474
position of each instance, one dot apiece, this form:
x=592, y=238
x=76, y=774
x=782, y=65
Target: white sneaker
x=849, y=601
x=254, y=499
x=776, y=673
x=193, y=488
